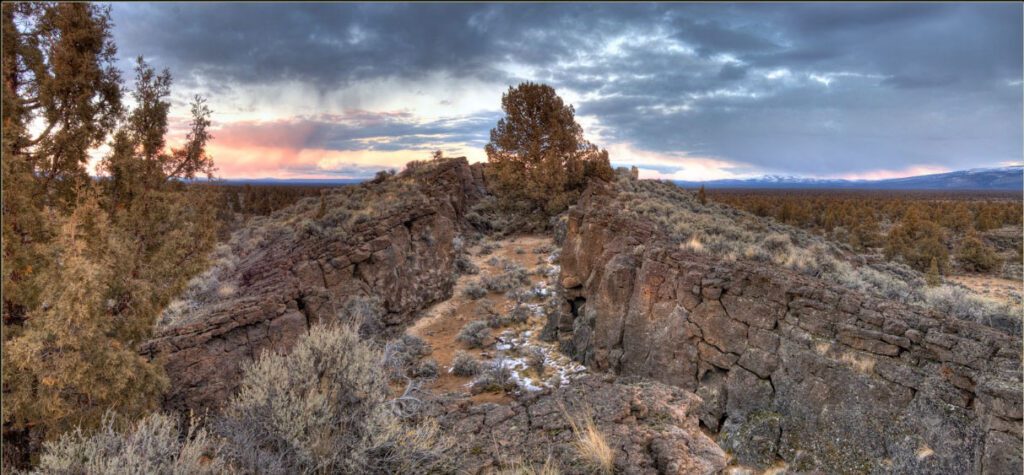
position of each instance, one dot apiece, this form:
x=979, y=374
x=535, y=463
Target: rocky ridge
x=377, y=256
x=385, y=260
x=788, y=366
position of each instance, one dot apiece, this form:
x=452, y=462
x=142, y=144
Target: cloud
x=352, y=145
x=782, y=88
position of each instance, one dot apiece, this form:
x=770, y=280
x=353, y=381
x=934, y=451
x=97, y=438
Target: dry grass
x=156, y=443
x=590, y=443
x=518, y=467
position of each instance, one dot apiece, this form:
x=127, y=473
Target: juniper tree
x=540, y=160
x=58, y=71
x=67, y=367
x=82, y=284
x=974, y=255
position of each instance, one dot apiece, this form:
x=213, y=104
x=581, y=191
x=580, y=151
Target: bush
x=464, y=364
x=465, y=266
x=535, y=359
x=474, y=334
x=544, y=249
x=323, y=408
x=495, y=376
x=520, y=313
x=513, y=277
x=382, y=176
x=426, y=369
x=497, y=321
x=363, y=313
x=151, y=445
x=401, y=355
x=487, y=248
x=519, y=295
x=474, y=291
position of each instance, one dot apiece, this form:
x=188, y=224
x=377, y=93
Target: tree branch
x=42, y=136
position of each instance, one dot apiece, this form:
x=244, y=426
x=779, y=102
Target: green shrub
x=976, y=256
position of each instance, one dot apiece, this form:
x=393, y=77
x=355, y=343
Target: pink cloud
x=290, y=134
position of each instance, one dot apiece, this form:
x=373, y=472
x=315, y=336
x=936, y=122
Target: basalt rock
x=395, y=260
x=650, y=427
x=789, y=366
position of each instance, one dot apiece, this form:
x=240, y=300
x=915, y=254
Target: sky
x=682, y=91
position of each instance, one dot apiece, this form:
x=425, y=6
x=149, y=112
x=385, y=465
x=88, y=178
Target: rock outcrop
x=395, y=257
x=650, y=427
x=788, y=366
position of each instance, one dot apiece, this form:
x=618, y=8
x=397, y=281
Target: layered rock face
x=789, y=366
x=394, y=260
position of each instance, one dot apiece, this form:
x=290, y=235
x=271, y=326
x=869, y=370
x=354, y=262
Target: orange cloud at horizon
x=915, y=170
x=239, y=161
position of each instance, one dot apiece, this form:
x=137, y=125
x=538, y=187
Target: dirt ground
x=1003, y=290
x=442, y=323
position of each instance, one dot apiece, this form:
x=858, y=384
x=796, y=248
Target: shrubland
x=731, y=234
x=960, y=230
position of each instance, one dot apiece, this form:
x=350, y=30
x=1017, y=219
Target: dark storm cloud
x=797, y=88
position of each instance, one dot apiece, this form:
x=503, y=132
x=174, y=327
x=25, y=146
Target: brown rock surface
x=395, y=255
x=790, y=366
x=651, y=428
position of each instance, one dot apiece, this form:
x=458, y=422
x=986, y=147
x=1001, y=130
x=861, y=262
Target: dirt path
x=442, y=323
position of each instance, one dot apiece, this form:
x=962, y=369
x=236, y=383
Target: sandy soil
x=1004, y=290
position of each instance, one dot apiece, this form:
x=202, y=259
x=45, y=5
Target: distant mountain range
x=1005, y=178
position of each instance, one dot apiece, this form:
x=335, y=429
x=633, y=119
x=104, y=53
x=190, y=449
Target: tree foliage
x=539, y=159
x=918, y=241
x=89, y=263
x=892, y=220
x=976, y=256
x=69, y=366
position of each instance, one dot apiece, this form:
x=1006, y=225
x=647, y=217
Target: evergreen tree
x=191, y=160
x=976, y=256
x=66, y=367
x=540, y=161
x=83, y=283
x=58, y=70
x=932, y=277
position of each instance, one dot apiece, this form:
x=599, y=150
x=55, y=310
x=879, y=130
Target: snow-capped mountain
x=1004, y=178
